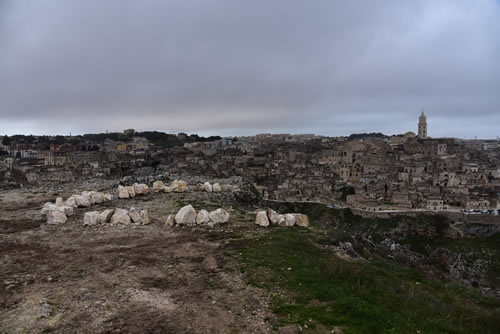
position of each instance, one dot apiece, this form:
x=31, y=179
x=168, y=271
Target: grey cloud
x=330, y=67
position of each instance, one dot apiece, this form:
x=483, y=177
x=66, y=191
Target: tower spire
x=422, y=126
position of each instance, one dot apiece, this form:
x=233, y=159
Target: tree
x=6, y=141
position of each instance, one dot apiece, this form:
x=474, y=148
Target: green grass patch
x=311, y=285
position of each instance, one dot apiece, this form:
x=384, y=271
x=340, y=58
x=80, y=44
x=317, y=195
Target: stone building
x=422, y=126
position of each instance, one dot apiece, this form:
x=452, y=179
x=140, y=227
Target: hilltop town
x=369, y=172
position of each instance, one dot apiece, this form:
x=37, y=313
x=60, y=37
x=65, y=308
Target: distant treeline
x=367, y=135
x=155, y=137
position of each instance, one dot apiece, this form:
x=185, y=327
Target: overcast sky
x=243, y=67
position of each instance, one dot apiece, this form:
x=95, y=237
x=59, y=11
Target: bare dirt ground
x=121, y=279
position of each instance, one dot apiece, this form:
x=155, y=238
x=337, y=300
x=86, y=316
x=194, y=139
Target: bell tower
x=422, y=126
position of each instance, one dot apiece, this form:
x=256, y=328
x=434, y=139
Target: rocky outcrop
x=346, y=252
x=186, y=216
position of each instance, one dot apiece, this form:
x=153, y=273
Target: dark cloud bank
x=242, y=67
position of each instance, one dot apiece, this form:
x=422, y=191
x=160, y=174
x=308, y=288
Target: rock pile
x=59, y=212
x=188, y=216
x=117, y=216
x=266, y=218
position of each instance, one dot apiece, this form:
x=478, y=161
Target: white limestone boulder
x=301, y=220
x=186, y=216
x=82, y=201
x=219, y=216
x=56, y=217
x=67, y=210
x=59, y=201
x=216, y=188
x=120, y=216
x=131, y=192
x=289, y=219
x=145, y=217
x=158, y=186
x=281, y=220
x=202, y=217
x=140, y=188
x=170, y=221
x=71, y=202
x=47, y=207
x=95, y=197
x=207, y=187
x=105, y=216
x=273, y=216
x=261, y=219
x=123, y=192
x=134, y=215
x=107, y=197
x=91, y=218
x=178, y=186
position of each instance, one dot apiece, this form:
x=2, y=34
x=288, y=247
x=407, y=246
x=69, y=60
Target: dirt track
x=116, y=279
